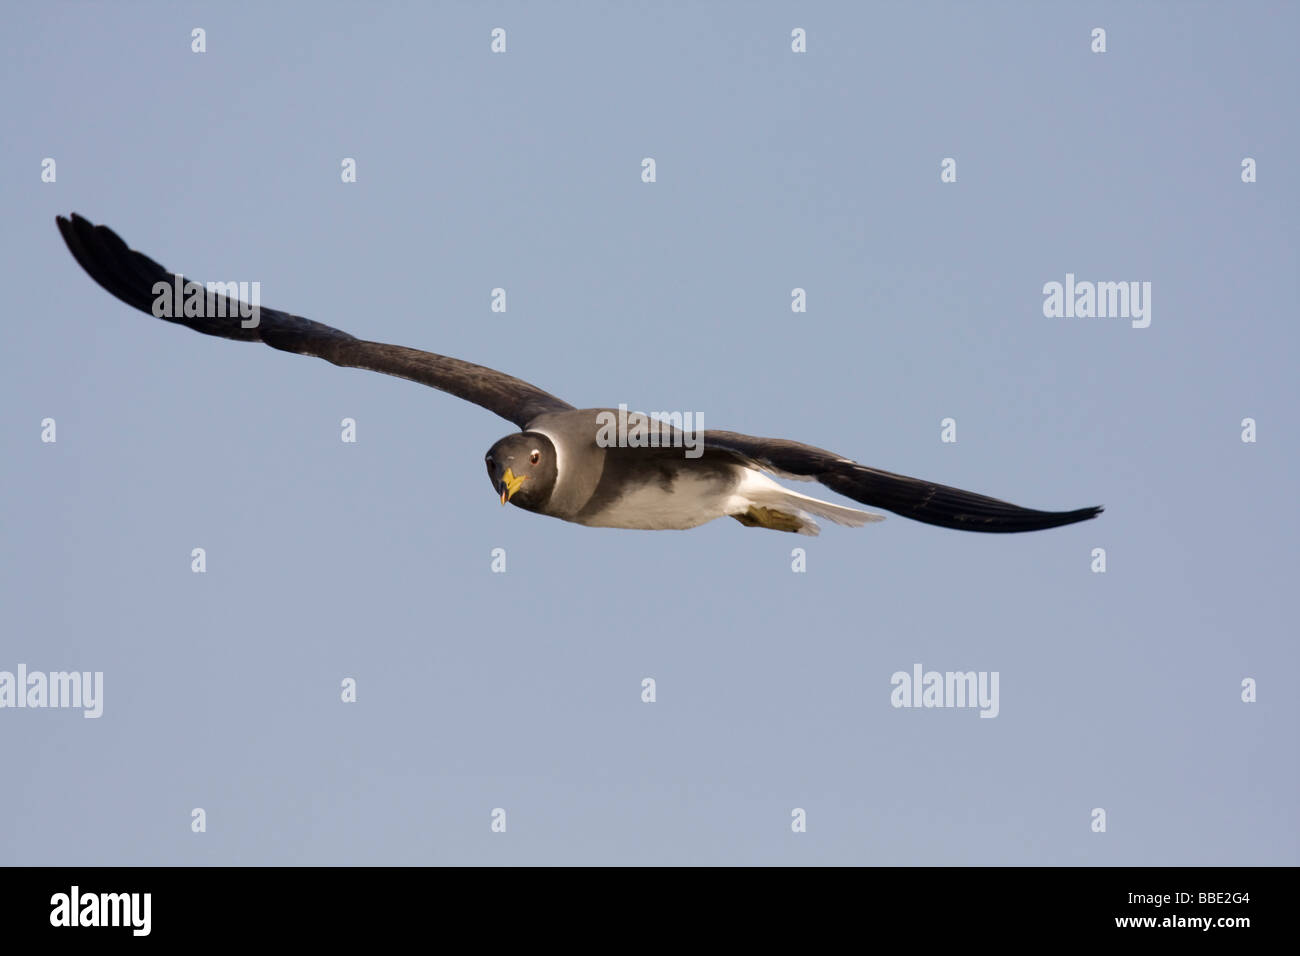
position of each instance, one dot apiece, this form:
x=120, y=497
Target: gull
x=558, y=463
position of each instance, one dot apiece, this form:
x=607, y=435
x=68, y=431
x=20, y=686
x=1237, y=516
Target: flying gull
x=557, y=464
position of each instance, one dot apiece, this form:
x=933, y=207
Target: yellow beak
x=511, y=483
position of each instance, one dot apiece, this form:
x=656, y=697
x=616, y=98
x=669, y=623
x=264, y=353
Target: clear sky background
x=522, y=690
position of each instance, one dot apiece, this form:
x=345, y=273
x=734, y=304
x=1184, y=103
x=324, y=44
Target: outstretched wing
x=910, y=497
x=131, y=277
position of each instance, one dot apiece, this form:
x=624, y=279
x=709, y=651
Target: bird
x=652, y=476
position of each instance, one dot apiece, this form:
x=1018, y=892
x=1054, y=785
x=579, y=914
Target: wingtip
x=1084, y=514
x=71, y=219
x=1042, y=520
x=69, y=224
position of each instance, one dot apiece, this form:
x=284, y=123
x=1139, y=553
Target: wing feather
x=913, y=498
x=131, y=277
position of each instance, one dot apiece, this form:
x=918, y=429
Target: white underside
x=696, y=500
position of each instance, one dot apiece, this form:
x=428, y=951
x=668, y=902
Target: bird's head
x=522, y=469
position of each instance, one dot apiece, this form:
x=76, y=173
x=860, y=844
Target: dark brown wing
x=910, y=497
x=131, y=277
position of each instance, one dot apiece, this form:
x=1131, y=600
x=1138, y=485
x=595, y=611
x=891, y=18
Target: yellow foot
x=757, y=517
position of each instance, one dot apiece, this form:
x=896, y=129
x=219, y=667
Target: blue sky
x=522, y=690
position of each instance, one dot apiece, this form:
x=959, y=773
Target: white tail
x=760, y=501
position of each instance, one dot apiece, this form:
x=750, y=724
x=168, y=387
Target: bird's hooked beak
x=510, y=483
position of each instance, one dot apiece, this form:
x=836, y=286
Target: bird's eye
x=535, y=457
